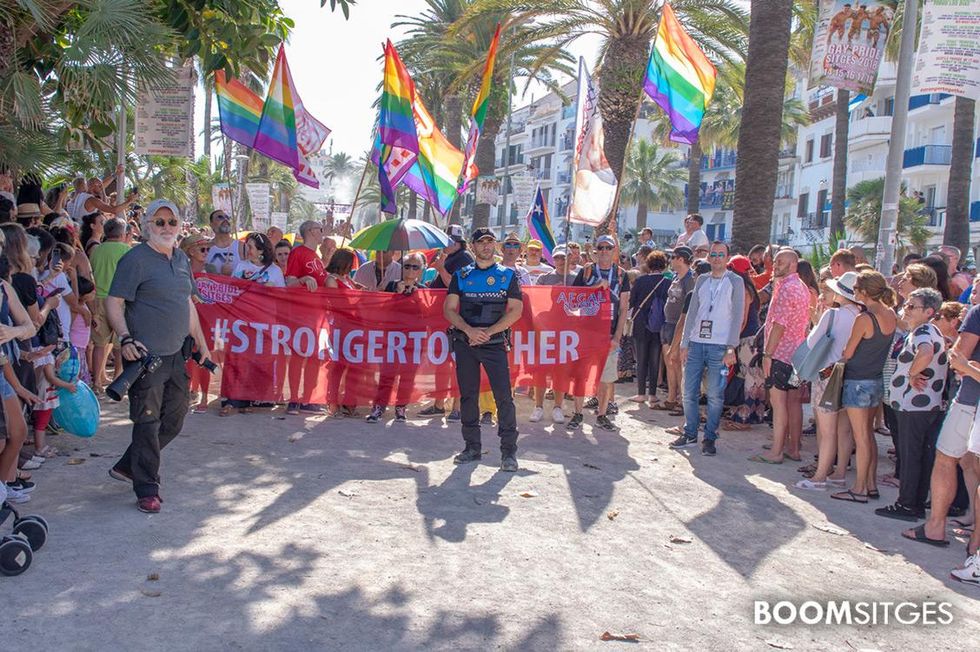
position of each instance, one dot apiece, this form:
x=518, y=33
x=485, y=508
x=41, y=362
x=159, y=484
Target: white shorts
x=954, y=438
x=974, y=444
x=610, y=373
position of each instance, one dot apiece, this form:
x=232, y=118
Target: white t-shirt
x=523, y=275
x=271, y=275
x=218, y=256
x=844, y=318
x=76, y=207
x=697, y=239
x=64, y=310
x=537, y=270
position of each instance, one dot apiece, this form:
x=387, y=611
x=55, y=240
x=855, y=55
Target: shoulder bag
x=809, y=361
x=628, y=326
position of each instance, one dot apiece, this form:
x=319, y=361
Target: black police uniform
x=483, y=295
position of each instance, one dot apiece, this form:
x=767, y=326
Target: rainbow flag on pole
x=539, y=226
x=277, y=129
x=435, y=173
x=399, y=141
x=478, y=115
x=239, y=109
x=679, y=78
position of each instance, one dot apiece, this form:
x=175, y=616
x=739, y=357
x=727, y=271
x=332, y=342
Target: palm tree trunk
x=641, y=216
x=485, y=157
x=957, y=232
x=413, y=205
x=207, y=121
x=839, y=184
x=454, y=134
x=759, y=135
x=427, y=212
x=619, y=78
x=694, y=178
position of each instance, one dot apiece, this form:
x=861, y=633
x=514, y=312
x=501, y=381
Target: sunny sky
x=336, y=68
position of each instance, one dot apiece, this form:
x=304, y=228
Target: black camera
x=131, y=373
x=204, y=362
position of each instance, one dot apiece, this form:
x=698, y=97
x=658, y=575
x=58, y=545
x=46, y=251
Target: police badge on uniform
x=491, y=280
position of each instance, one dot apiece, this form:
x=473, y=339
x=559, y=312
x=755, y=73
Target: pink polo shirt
x=790, y=307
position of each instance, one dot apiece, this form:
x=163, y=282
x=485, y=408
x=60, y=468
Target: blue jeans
x=701, y=357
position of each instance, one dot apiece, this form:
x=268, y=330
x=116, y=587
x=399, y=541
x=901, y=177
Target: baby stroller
x=29, y=534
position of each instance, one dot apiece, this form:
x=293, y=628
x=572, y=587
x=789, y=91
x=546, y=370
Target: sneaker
x=468, y=455
x=16, y=496
x=454, y=417
x=375, y=415
x=149, y=504
x=810, y=485
x=486, y=419
x=311, y=408
x=508, y=463
x=54, y=429
x=612, y=408
x=592, y=404
x=23, y=485
x=576, y=421
x=536, y=415
x=901, y=512
x=603, y=422
x=708, y=447
x=970, y=572
x=31, y=465
x=400, y=416
x=119, y=474
x=292, y=408
x=683, y=442
x=557, y=415
x=432, y=411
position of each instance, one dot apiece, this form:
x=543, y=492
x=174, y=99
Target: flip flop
x=966, y=525
x=795, y=458
x=763, y=460
x=668, y=405
x=851, y=497
x=920, y=536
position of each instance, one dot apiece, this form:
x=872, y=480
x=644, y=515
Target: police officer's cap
x=482, y=233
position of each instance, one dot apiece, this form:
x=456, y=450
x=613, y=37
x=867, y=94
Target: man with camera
x=483, y=302
x=149, y=306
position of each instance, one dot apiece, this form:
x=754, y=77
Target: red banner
x=356, y=348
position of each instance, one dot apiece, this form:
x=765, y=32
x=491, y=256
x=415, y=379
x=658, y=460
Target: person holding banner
x=483, y=302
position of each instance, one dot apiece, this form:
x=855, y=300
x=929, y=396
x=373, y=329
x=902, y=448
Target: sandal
x=676, y=413
x=849, y=496
x=668, y=405
x=764, y=460
x=919, y=534
x=873, y=494
x=735, y=425
x=48, y=452
x=890, y=480
x=201, y=409
x=795, y=458
x=225, y=411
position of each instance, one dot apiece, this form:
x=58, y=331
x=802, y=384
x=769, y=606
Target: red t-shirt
x=303, y=261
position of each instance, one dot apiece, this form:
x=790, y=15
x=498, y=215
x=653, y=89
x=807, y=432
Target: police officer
x=484, y=300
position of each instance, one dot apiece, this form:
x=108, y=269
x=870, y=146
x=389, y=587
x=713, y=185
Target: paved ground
x=285, y=533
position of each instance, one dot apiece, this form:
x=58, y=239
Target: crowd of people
x=728, y=342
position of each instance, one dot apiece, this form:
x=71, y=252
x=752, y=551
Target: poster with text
x=259, y=201
x=948, y=60
x=848, y=43
x=165, y=117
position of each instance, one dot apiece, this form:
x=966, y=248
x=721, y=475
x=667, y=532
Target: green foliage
x=864, y=215
x=652, y=176
x=344, y=5
x=820, y=255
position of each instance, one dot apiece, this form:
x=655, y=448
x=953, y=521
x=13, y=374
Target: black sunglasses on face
x=411, y=266
x=159, y=223
x=604, y=248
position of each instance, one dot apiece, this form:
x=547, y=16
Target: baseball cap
x=482, y=233
x=559, y=251
x=683, y=252
x=512, y=237
x=702, y=267
x=606, y=239
x=455, y=232
x=535, y=244
x=740, y=264
x=159, y=204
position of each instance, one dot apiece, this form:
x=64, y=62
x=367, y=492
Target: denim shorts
x=862, y=393
x=6, y=390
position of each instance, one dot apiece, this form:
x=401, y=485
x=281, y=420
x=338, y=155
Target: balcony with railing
x=871, y=128
x=935, y=215
x=543, y=174
x=517, y=128
x=720, y=161
x=816, y=220
x=515, y=160
x=564, y=178
x=541, y=142
x=919, y=101
x=927, y=155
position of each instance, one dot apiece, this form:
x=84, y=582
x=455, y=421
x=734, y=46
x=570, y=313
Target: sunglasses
x=716, y=255
x=911, y=307
x=512, y=245
x=160, y=223
x=411, y=266
x=205, y=250
x=604, y=248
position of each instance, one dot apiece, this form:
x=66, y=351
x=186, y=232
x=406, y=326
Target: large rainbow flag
x=435, y=173
x=539, y=226
x=239, y=109
x=478, y=115
x=679, y=78
x=397, y=138
x=277, y=129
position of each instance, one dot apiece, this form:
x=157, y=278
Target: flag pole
x=353, y=206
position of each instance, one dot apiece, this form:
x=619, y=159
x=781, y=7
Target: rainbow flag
x=539, y=226
x=679, y=78
x=276, y=137
x=239, y=109
x=399, y=141
x=479, y=115
x=437, y=169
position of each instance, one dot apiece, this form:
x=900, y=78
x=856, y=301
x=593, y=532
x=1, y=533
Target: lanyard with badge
x=707, y=325
x=613, y=294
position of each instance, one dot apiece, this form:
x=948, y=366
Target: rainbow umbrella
x=400, y=234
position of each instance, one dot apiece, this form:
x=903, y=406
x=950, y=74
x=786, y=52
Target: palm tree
x=651, y=179
x=957, y=231
x=759, y=135
x=864, y=215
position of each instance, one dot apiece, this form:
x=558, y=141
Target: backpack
x=655, y=318
x=50, y=331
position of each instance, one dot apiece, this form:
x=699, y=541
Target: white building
x=541, y=145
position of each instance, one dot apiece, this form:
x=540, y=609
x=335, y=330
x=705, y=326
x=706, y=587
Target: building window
x=804, y=203
x=821, y=218
x=826, y=143
x=809, y=151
